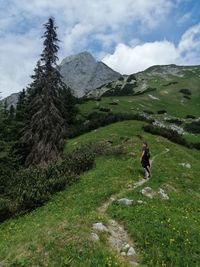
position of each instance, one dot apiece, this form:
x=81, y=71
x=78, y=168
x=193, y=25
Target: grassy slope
x=170, y=97
x=58, y=234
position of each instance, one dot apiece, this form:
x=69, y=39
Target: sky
x=127, y=35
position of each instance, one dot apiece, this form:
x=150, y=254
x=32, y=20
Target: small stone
x=100, y=227
x=95, y=237
x=186, y=165
x=125, y=201
x=162, y=194
x=140, y=202
x=148, y=192
x=131, y=252
x=123, y=253
x=133, y=263
x=126, y=247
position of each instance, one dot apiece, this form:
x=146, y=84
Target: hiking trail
x=118, y=238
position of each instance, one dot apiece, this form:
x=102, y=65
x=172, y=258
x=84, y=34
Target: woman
x=145, y=160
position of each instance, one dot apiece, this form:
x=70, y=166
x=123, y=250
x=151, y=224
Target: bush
x=170, y=135
x=149, y=89
x=193, y=127
x=185, y=91
x=148, y=112
x=170, y=83
x=190, y=117
x=4, y=209
x=113, y=103
x=176, y=121
x=131, y=78
x=162, y=111
x=187, y=97
x=31, y=187
x=103, y=120
x=105, y=109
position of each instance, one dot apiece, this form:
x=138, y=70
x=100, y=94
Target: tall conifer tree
x=43, y=135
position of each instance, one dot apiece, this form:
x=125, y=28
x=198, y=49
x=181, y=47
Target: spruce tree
x=43, y=135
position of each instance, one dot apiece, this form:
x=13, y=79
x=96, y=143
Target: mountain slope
x=166, y=233
x=159, y=88
x=155, y=77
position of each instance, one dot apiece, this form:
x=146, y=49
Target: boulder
x=131, y=252
x=100, y=227
x=125, y=201
x=161, y=193
x=148, y=192
x=95, y=237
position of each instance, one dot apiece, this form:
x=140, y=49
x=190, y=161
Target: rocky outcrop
x=83, y=73
x=11, y=100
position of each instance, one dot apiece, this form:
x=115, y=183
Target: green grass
x=170, y=98
x=59, y=233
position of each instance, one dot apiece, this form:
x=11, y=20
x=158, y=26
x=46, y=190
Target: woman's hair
x=145, y=143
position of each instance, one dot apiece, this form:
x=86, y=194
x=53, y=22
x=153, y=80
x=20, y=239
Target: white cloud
x=130, y=59
x=18, y=57
x=80, y=22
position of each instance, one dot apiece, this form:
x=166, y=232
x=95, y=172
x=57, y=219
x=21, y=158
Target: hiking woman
x=145, y=160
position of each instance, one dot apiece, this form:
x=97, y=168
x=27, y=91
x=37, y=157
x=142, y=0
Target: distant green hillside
x=157, y=88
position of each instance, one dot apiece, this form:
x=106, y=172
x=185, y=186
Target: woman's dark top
x=145, y=157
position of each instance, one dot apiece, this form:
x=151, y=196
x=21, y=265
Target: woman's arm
x=142, y=156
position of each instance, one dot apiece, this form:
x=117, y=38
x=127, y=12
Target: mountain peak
x=83, y=73
x=83, y=56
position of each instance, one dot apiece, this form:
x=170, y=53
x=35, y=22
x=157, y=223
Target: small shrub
x=113, y=103
x=187, y=97
x=4, y=209
x=121, y=78
x=170, y=83
x=149, y=89
x=105, y=109
x=176, y=121
x=93, y=115
x=131, y=78
x=190, y=117
x=148, y=112
x=162, y=111
x=193, y=127
x=185, y=91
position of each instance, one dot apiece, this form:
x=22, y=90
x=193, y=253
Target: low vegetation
x=166, y=233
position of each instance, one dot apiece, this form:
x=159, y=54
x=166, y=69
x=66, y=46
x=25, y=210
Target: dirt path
x=119, y=239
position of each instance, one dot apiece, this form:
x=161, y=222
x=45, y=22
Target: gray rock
x=126, y=247
x=95, y=237
x=83, y=73
x=148, y=192
x=161, y=193
x=140, y=202
x=100, y=227
x=131, y=252
x=11, y=100
x=186, y=165
x=125, y=201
